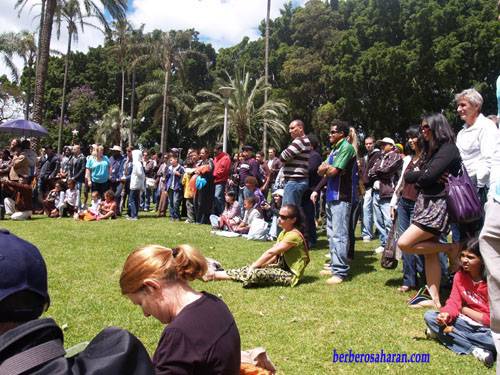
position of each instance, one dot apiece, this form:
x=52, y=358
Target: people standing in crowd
x=127, y=174
x=161, y=179
x=137, y=185
x=77, y=170
x=489, y=242
x=274, y=165
x=367, y=162
x=356, y=204
x=19, y=164
x=98, y=171
x=463, y=324
x=18, y=201
x=5, y=163
x=30, y=155
x=336, y=173
x=384, y=175
x=203, y=199
x=222, y=169
x=173, y=186
x=295, y=160
x=476, y=141
x=251, y=185
x=403, y=204
x=307, y=205
x=48, y=170
x=64, y=163
x=201, y=336
x=283, y=264
x=189, y=189
x=430, y=216
x=117, y=162
x=264, y=173
x=150, y=173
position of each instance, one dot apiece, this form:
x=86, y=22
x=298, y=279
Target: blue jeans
x=383, y=222
x=337, y=231
x=464, y=338
x=219, y=198
x=133, y=203
x=174, y=203
x=412, y=263
x=294, y=190
x=367, y=230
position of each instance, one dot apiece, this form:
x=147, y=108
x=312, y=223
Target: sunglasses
x=285, y=217
x=425, y=127
x=334, y=132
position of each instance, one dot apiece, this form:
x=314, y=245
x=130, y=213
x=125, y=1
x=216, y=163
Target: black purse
x=388, y=260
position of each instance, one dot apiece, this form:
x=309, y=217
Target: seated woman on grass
x=283, y=264
x=201, y=336
x=462, y=325
x=230, y=217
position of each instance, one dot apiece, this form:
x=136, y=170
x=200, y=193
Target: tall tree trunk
x=164, y=119
x=122, y=107
x=266, y=73
x=65, y=80
x=40, y=28
x=132, y=104
x=43, y=63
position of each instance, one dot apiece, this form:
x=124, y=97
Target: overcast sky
x=220, y=22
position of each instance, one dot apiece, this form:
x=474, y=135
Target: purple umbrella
x=24, y=128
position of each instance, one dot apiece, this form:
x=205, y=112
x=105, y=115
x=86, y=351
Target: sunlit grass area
x=300, y=327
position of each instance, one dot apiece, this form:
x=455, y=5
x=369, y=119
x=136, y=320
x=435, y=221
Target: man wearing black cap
x=31, y=345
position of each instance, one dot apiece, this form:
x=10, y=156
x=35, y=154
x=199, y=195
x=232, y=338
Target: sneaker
x=367, y=239
x=131, y=218
x=484, y=356
x=379, y=250
x=334, y=280
x=430, y=335
x=325, y=273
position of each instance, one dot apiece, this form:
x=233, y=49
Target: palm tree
x=165, y=49
x=20, y=44
x=116, y=9
x=71, y=14
x=110, y=130
x=121, y=34
x=136, y=52
x=247, y=118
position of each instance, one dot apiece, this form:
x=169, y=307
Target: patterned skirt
x=270, y=275
x=431, y=214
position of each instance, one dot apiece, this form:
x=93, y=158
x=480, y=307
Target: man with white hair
x=476, y=141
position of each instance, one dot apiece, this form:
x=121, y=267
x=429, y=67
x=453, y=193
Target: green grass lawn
x=298, y=326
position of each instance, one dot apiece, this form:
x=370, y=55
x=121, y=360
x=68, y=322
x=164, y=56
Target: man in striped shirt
x=295, y=160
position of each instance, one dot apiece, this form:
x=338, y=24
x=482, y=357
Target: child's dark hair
x=109, y=193
x=472, y=246
x=231, y=194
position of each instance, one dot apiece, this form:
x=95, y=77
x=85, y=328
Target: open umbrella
x=24, y=128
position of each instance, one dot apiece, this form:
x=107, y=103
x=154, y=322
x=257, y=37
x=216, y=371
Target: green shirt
x=344, y=154
x=296, y=258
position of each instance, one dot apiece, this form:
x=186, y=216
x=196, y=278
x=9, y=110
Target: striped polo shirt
x=296, y=159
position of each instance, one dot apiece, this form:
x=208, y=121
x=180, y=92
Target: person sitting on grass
x=70, y=203
x=201, y=336
x=54, y=201
x=462, y=325
x=251, y=184
x=108, y=208
x=18, y=198
x=251, y=213
x=283, y=264
x=92, y=212
x=230, y=217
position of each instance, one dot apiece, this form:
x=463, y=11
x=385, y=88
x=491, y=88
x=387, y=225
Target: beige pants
x=10, y=209
x=489, y=242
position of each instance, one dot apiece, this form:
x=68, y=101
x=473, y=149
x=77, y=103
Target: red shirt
x=222, y=168
x=467, y=293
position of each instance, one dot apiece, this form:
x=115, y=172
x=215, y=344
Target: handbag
x=388, y=260
x=462, y=198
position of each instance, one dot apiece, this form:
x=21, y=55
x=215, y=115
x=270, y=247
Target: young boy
x=174, y=187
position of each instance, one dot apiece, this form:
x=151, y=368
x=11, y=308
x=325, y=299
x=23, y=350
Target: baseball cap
x=279, y=192
x=22, y=268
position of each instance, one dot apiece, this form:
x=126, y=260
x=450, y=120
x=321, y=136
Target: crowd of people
x=284, y=197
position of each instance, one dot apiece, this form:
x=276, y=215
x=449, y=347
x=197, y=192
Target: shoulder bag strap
x=32, y=358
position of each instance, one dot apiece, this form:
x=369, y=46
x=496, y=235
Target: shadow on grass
x=362, y=263
x=394, y=282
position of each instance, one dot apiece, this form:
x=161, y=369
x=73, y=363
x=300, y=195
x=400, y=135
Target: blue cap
x=22, y=267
